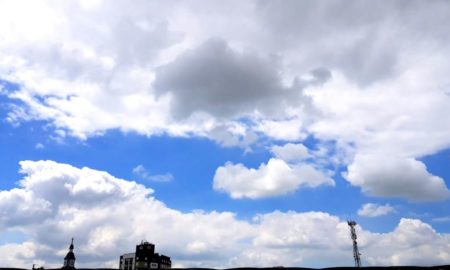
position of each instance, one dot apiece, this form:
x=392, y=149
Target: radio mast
x=356, y=253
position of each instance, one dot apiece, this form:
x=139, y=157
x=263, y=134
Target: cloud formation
x=217, y=80
x=106, y=216
x=375, y=210
x=297, y=70
x=274, y=178
x=289, y=170
x=290, y=152
x=396, y=177
x=141, y=172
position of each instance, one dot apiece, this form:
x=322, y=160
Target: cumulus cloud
x=298, y=69
x=134, y=72
x=375, y=210
x=233, y=134
x=271, y=179
x=414, y=234
x=216, y=79
x=19, y=207
x=97, y=71
x=144, y=174
x=391, y=136
x=20, y=255
x=105, y=215
x=355, y=40
x=284, y=173
x=299, y=238
x=396, y=177
x=94, y=207
x=367, y=102
x=284, y=130
x=290, y=152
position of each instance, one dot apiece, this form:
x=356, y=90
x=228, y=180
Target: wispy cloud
x=375, y=210
x=39, y=146
x=144, y=174
x=441, y=219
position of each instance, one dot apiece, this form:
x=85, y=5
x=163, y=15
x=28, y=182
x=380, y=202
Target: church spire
x=69, y=260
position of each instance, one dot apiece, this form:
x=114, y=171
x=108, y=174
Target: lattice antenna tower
x=356, y=253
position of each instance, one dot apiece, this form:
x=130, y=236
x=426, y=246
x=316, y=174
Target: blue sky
x=192, y=162
x=223, y=134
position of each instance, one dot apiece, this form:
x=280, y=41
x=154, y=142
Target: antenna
x=356, y=253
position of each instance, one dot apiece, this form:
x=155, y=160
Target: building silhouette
x=144, y=258
x=69, y=260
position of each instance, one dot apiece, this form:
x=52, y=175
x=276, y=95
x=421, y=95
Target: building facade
x=144, y=258
x=127, y=261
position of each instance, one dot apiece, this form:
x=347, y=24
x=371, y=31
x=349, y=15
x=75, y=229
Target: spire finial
x=71, y=245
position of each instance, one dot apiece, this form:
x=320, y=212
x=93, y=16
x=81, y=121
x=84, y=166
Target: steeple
x=69, y=260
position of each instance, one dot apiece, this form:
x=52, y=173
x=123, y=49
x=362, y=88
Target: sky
x=227, y=133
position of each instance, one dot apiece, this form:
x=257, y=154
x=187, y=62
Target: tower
x=145, y=252
x=144, y=258
x=356, y=253
x=69, y=260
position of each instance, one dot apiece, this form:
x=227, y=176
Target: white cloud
x=90, y=79
x=39, y=146
x=284, y=173
x=124, y=73
x=221, y=81
x=19, y=206
x=142, y=173
x=232, y=134
x=101, y=211
x=183, y=70
x=285, y=130
x=105, y=215
x=441, y=219
x=91, y=67
x=415, y=235
x=20, y=255
x=401, y=130
x=387, y=176
x=271, y=179
x=375, y=210
x=290, y=152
